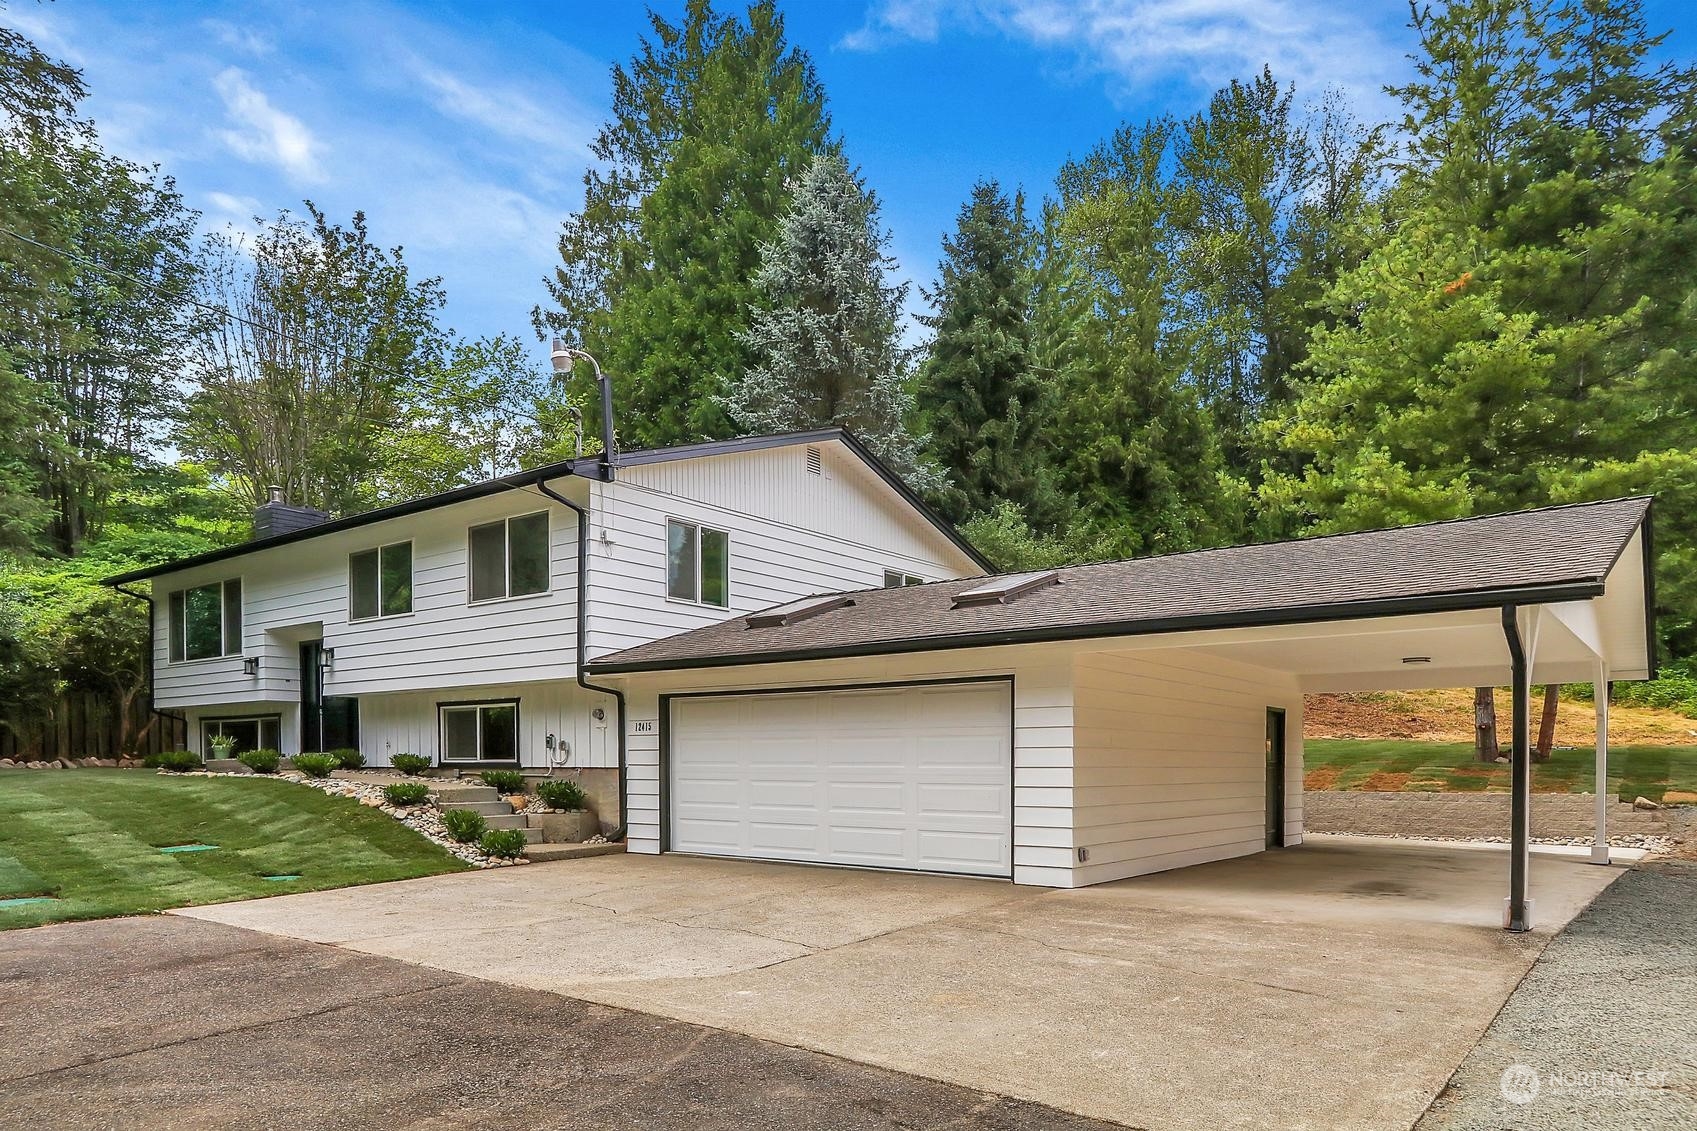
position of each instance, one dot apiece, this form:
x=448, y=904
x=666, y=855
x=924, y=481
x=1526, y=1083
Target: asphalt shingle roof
x=1462, y=563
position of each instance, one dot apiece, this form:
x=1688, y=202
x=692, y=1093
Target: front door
x=328, y=722
x=1275, y=777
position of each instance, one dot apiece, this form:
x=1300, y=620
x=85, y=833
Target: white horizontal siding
x=299, y=592
x=391, y=724
x=1169, y=760
x=792, y=534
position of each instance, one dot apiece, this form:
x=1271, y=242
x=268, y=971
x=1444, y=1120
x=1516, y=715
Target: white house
x=786, y=656
x=448, y=626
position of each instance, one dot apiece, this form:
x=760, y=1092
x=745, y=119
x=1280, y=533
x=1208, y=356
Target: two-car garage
x=916, y=777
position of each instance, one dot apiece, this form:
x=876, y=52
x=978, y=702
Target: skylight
x=1001, y=590
x=797, y=610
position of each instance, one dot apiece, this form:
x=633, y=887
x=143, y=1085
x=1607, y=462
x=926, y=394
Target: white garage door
x=897, y=777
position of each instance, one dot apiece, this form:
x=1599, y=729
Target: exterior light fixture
x=1417, y=659
x=250, y=665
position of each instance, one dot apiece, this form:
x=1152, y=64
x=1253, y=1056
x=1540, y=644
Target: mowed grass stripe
x=1400, y=764
x=95, y=835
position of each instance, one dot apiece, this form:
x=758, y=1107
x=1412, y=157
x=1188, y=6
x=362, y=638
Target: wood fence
x=89, y=725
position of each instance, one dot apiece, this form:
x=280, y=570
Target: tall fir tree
x=979, y=394
x=712, y=121
x=825, y=330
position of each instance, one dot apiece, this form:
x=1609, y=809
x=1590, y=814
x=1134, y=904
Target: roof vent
x=798, y=610
x=1001, y=590
x=815, y=462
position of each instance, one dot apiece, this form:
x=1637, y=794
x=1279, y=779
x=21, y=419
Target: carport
x=1076, y=726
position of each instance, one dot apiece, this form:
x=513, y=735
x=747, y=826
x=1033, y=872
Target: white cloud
x=507, y=112
x=239, y=38
x=264, y=134
x=1316, y=43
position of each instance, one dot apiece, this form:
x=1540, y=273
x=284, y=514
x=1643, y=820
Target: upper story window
x=895, y=579
x=698, y=563
x=509, y=558
x=380, y=582
x=206, y=621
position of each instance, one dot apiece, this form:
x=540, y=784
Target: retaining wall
x=1467, y=815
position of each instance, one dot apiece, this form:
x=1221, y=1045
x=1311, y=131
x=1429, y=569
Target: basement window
x=1002, y=590
x=480, y=732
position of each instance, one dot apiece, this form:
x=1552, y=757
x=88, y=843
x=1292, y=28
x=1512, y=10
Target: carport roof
x=1552, y=554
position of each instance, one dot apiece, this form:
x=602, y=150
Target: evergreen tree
x=825, y=331
x=712, y=120
x=978, y=392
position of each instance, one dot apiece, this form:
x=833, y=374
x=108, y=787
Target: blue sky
x=463, y=134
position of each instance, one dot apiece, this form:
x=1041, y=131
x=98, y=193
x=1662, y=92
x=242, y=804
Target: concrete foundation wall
x=1466, y=815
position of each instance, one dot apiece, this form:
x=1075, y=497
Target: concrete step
x=532, y=836
x=541, y=852
x=452, y=791
x=487, y=808
x=508, y=820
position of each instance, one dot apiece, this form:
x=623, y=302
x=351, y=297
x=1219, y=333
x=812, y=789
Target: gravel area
x=1626, y=840
x=1602, y=1033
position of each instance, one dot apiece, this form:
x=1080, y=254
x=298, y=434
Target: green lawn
x=1359, y=763
x=92, y=838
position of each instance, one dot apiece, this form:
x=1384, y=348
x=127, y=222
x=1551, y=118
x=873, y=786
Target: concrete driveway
x=1338, y=984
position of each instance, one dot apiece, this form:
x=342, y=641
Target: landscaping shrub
x=562, y=794
x=315, y=765
x=463, y=825
x=503, y=843
x=348, y=758
x=176, y=761
x=406, y=793
x=506, y=781
x=260, y=761
x=410, y=764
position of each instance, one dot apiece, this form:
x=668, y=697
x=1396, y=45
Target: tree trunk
x=1547, y=723
x=1485, y=747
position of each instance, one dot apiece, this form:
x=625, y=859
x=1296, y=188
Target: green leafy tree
x=713, y=119
x=1137, y=454
x=825, y=332
x=94, y=317
x=978, y=392
x=310, y=383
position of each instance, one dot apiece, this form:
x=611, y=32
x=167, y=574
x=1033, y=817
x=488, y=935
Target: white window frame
x=478, y=706
x=507, y=563
x=901, y=579
x=412, y=579
x=666, y=563
x=176, y=632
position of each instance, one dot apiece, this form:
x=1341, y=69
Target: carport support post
x=1519, y=916
x=1600, y=696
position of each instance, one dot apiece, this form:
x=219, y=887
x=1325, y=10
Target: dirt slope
x=1447, y=716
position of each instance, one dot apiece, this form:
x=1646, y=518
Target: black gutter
x=1301, y=614
x=1520, y=789
x=583, y=644
x=152, y=643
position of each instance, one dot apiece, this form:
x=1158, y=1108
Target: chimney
x=274, y=516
